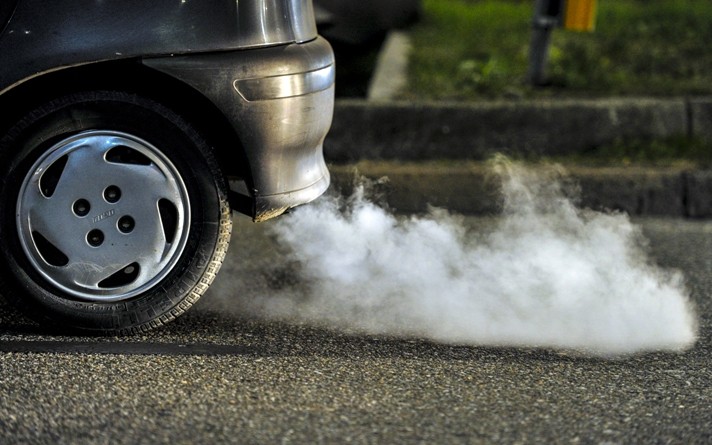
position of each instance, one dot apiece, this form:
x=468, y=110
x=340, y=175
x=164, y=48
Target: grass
x=466, y=50
x=478, y=49
x=662, y=152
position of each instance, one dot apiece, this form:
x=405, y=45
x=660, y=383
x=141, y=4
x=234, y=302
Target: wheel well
x=133, y=77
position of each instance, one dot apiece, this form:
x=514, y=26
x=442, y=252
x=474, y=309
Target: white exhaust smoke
x=544, y=274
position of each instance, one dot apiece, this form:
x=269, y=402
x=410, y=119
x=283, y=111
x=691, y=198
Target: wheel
x=114, y=216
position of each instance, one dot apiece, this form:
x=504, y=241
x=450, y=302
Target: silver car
x=129, y=132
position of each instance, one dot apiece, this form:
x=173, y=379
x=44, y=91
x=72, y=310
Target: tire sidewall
x=179, y=142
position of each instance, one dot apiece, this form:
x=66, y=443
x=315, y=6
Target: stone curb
x=417, y=131
x=473, y=188
x=385, y=135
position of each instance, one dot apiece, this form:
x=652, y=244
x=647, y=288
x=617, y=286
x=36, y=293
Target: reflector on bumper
x=290, y=85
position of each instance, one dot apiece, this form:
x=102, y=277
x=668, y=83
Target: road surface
x=218, y=376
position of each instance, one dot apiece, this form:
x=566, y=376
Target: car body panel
x=71, y=32
x=6, y=9
x=279, y=99
x=260, y=62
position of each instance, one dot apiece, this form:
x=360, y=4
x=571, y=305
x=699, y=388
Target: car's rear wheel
x=113, y=213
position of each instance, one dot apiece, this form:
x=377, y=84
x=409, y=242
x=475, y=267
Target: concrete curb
x=416, y=131
x=391, y=72
x=407, y=142
x=472, y=188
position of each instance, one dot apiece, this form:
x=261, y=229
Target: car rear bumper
x=280, y=102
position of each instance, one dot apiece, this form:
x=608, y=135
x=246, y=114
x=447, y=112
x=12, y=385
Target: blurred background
x=479, y=49
x=357, y=30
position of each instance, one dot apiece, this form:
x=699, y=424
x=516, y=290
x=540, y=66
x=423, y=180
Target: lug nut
x=126, y=224
x=81, y=207
x=95, y=238
x=112, y=194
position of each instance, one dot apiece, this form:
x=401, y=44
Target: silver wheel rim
x=103, y=216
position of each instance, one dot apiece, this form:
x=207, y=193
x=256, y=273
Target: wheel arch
x=133, y=77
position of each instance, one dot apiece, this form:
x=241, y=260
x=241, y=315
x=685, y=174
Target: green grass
x=668, y=151
x=478, y=49
x=672, y=151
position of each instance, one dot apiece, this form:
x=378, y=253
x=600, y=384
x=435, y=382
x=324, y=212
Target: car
x=359, y=22
x=129, y=134
x=357, y=30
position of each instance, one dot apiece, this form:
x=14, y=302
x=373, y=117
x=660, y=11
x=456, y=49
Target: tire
x=114, y=216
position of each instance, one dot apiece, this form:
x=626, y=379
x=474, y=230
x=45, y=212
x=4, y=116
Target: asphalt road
x=217, y=376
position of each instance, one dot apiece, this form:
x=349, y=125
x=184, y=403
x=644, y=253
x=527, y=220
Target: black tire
x=114, y=216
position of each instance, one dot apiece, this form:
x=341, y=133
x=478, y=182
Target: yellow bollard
x=580, y=15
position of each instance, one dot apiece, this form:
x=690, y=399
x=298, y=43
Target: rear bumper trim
x=284, y=86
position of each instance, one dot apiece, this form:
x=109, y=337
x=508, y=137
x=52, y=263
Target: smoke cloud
x=545, y=273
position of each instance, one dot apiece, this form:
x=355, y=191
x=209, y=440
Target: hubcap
x=103, y=215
